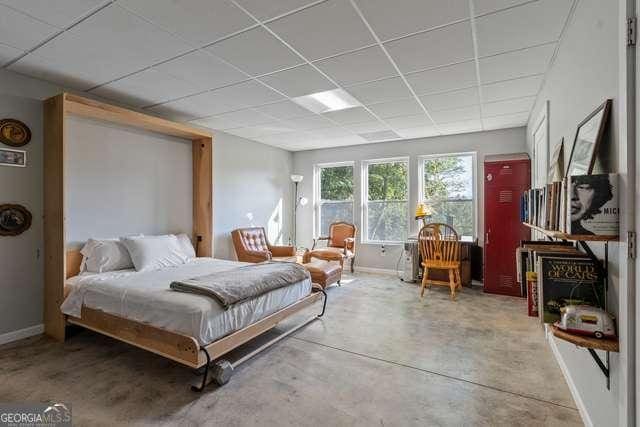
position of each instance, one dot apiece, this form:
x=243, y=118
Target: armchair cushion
x=251, y=245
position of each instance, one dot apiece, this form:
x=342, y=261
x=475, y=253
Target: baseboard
x=377, y=270
x=21, y=333
x=572, y=387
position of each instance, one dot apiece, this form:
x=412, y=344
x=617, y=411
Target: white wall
x=21, y=266
x=584, y=74
x=369, y=255
x=251, y=188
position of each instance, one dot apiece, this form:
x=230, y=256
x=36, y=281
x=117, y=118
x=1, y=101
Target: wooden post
x=54, y=219
x=203, y=196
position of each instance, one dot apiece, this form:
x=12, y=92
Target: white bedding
x=146, y=297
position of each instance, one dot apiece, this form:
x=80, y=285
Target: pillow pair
x=144, y=253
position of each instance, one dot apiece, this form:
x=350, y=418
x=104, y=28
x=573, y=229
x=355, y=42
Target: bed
x=194, y=330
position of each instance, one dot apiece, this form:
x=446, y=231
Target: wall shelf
x=604, y=344
x=575, y=237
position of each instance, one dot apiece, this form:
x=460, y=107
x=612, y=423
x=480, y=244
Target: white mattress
x=146, y=297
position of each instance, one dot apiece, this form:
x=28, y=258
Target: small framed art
x=11, y=157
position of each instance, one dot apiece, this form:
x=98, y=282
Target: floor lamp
x=296, y=201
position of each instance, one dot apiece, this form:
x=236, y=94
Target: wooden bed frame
x=61, y=263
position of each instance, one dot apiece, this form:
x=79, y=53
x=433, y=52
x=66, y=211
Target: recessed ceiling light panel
x=329, y=100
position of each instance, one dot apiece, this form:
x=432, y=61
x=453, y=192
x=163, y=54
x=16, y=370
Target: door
x=504, y=182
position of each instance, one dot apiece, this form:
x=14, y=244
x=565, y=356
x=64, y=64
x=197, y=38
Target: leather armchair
x=341, y=240
x=251, y=245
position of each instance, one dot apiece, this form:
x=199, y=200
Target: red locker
x=506, y=177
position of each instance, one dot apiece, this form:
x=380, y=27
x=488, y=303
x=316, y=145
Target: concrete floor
x=379, y=356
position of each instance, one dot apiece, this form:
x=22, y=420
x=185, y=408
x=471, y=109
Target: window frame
x=474, y=181
x=317, y=193
x=364, y=198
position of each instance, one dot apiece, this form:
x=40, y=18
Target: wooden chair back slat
x=439, y=242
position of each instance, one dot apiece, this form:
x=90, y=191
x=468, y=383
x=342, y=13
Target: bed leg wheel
x=222, y=371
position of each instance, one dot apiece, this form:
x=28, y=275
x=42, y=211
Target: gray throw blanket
x=242, y=283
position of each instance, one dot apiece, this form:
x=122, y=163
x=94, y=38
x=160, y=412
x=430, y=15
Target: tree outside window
x=448, y=189
x=386, y=203
x=336, y=196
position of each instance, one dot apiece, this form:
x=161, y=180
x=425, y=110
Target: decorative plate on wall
x=14, y=220
x=14, y=133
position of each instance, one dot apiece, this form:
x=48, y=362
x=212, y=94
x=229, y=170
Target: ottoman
x=323, y=272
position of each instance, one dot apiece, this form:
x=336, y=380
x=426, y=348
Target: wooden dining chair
x=440, y=250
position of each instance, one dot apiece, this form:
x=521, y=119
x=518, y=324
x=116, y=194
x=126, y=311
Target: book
x=532, y=294
x=592, y=205
x=566, y=281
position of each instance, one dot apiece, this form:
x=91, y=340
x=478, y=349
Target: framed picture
x=10, y=157
x=14, y=220
x=556, y=166
x=14, y=133
x=587, y=142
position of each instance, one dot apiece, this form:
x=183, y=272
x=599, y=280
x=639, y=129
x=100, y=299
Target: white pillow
x=104, y=255
x=185, y=244
x=154, y=252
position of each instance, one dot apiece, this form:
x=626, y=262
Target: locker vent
x=506, y=170
x=506, y=196
x=505, y=281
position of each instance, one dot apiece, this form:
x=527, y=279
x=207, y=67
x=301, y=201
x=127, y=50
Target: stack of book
x=580, y=205
x=555, y=274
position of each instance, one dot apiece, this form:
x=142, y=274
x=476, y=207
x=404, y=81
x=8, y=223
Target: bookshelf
x=589, y=343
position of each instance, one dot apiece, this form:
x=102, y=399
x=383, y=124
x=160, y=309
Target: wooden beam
x=203, y=196
x=85, y=107
x=54, y=221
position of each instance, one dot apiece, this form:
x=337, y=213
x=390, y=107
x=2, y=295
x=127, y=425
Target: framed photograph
x=587, y=142
x=14, y=220
x=556, y=166
x=10, y=157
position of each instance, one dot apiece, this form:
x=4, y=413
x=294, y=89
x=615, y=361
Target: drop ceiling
x=419, y=68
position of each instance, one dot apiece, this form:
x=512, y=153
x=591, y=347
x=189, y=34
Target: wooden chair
x=440, y=250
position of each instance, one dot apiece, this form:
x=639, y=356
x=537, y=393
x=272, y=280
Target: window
x=385, y=208
x=334, y=195
x=448, y=189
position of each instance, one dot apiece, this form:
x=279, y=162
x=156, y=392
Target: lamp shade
x=297, y=178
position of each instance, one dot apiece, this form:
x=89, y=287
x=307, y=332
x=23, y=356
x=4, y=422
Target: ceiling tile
x=284, y=110
x=434, y=48
x=60, y=13
x=266, y=129
x=456, y=114
x=443, y=79
x=409, y=121
x=332, y=132
x=506, y=121
x=85, y=53
x=350, y=115
x=202, y=70
x=403, y=107
x=527, y=86
x=419, y=132
x=256, y=51
x=285, y=138
x=373, y=126
x=308, y=123
x=8, y=53
x=245, y=118
x=361, y=66
x=264, y=10
x=461, y=127
x=391, y=19
x=323, y=30
x=516, y=64
x=527, y=25
x=380, y=91
x=146, y=88
x=450, y=100
x=218, y=101
x=198, y=21
x=509, y=106
x=298, y=81
x=216, y=122
x=21, y=31
x=482, y=7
